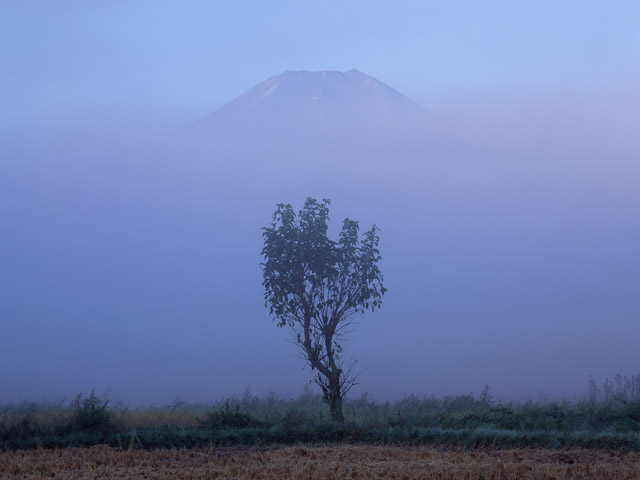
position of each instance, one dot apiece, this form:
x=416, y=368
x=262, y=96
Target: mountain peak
x=326, y=95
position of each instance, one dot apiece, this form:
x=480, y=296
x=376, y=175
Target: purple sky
x=511, y=258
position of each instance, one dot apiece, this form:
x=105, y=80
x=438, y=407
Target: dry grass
x=155, y=418
x=44, y=417
x=326, y=462
x=122, y=418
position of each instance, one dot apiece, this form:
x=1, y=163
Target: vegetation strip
x=249, y=420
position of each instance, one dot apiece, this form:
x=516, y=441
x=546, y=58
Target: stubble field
x=326, y=462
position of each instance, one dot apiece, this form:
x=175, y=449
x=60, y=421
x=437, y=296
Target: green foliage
x=307, y=274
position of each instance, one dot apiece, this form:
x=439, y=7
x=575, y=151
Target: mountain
x=324, y=101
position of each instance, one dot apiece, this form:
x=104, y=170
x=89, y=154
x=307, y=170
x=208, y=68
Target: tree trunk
x=335, y=402
x=336, y=410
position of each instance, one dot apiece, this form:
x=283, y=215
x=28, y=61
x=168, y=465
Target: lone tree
x=315, y=286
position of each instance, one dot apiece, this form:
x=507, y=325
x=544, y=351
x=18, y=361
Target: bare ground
x=320, y=462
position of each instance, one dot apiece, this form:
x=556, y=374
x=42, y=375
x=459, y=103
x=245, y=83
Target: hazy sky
x=513, y=264
x=180, y=60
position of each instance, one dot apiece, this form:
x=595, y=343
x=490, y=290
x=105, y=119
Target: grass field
x=326, y=462
x=463, y=421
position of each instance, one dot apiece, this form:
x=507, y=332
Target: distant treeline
x=606, y=417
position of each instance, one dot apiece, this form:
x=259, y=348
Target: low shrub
x=91, y=414
x=227, y=418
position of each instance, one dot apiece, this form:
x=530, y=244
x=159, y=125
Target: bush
x=226, y=418
x=91, y=414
